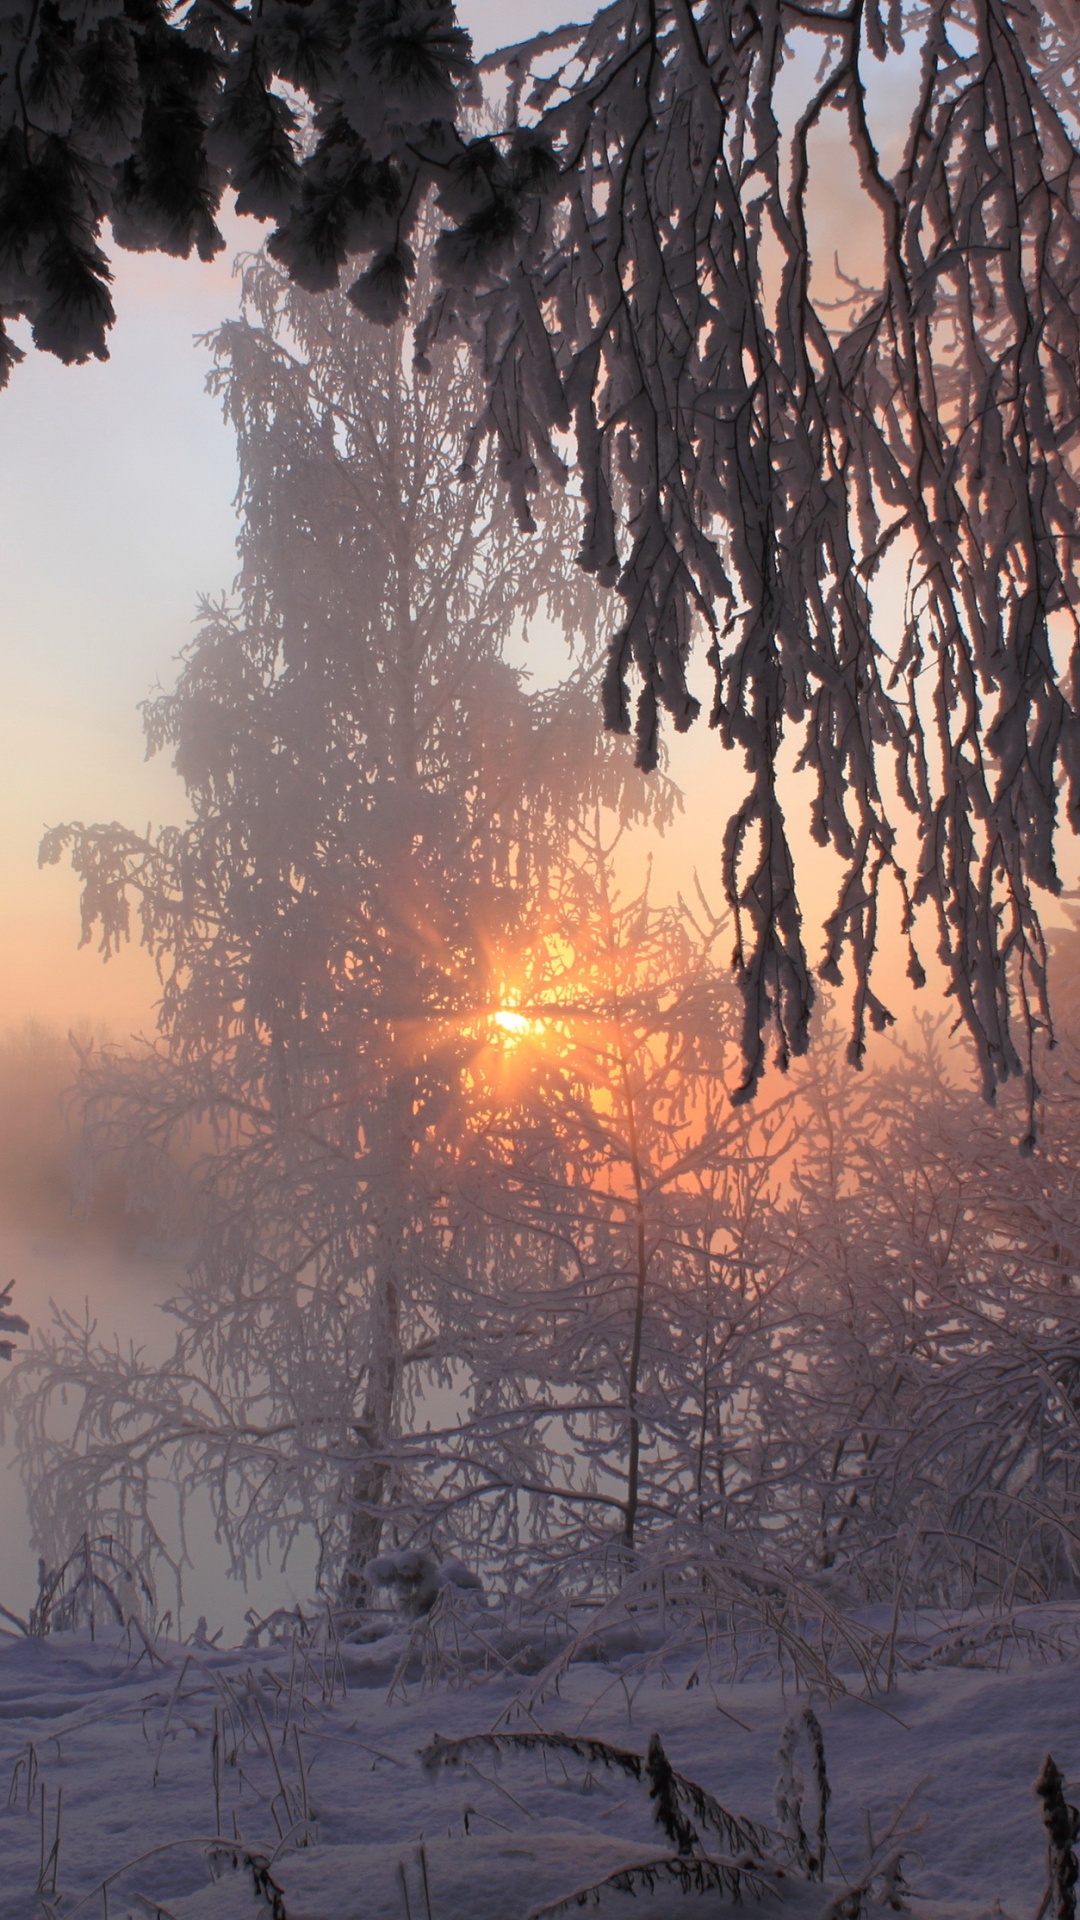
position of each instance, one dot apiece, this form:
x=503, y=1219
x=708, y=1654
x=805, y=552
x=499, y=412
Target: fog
x=75, y=1244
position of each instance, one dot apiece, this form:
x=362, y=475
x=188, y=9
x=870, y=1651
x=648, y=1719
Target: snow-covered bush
x=934, y=1403
x=416, y=1579
x=99, y=1584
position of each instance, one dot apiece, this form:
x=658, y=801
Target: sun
x=513, y=1024
x=512, y=1020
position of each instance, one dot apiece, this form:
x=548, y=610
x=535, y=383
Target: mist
x=548, y=1243
x=77, y=1243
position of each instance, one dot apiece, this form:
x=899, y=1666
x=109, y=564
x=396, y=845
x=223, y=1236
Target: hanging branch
x=750, y=455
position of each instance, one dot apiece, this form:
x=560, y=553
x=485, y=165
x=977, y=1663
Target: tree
x=375, y=801
x=632, y=254
x=930, y=1402
x=930, y=414
x=627, y=1214
x=584, y=1258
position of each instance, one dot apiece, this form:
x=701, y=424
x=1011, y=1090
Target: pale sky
x=116, y=485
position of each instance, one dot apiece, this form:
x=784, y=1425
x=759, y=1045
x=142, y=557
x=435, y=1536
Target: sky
x=116, y=512
x=116, y=489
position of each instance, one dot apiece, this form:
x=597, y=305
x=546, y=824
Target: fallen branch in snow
x=216, y=1850
x=675, y=1798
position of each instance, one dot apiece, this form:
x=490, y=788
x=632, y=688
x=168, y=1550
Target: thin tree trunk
x=641, y=1252
x=374, y=1429
x=372, y=1470
x=633, y=1457
x=706, y=1384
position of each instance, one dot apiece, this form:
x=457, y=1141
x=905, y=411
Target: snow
x=85, y=1724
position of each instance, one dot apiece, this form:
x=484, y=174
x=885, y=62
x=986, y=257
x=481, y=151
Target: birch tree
x=375, y=799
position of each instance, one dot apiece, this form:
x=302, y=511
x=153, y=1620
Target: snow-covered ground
x=124, y=1754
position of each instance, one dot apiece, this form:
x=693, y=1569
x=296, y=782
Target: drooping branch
x=754, y=457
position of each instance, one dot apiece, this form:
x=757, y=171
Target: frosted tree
x=929, y=417
x=375, y=800
x=632, y=253
x=932, y=1408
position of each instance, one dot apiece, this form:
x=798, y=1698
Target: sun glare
x=511, y=1027
x=513, y=1023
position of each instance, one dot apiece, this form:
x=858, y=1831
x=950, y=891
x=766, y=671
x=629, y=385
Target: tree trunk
x=641, y=1253
x=374, y=1429
x=633, y=1458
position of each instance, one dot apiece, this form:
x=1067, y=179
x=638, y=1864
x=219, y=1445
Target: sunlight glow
x=513, y=1023
x=510, y=1028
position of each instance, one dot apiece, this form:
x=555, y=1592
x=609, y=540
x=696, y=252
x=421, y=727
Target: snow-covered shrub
x=100, y=1583
x=932, y=1397
x=416, y=1579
